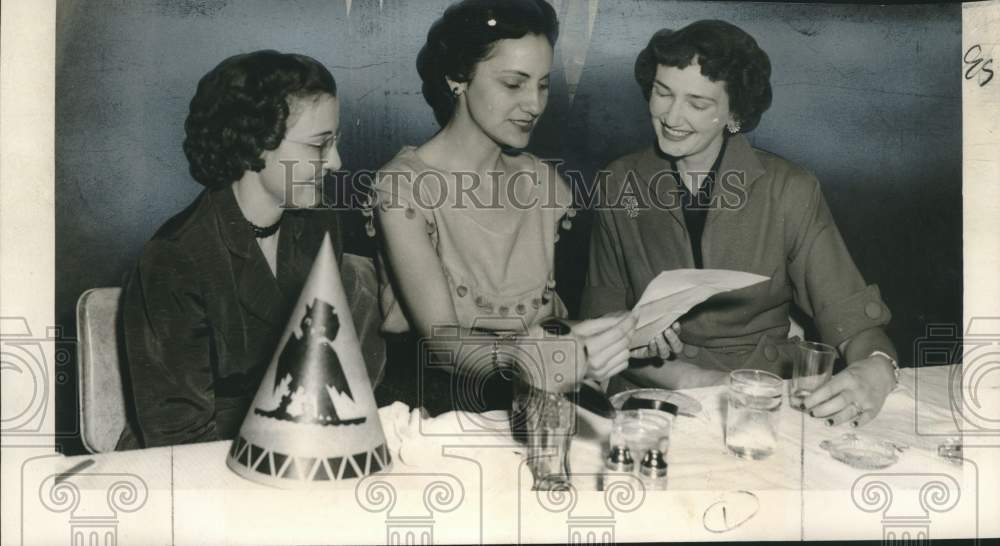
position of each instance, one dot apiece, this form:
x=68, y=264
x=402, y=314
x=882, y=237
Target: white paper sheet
x=673, y=293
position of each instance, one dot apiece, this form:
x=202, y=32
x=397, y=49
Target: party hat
x=314, y=419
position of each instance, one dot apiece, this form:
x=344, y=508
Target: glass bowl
x=862, y=452
x=686, y=405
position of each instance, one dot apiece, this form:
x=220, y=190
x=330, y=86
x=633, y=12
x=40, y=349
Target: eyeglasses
x=323, y=147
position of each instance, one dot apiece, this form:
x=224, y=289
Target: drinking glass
x=752, y=413
x=642, y=418
x=545, y=422
x=812, y=367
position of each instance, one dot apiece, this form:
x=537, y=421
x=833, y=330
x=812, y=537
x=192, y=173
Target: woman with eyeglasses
x=213, y=290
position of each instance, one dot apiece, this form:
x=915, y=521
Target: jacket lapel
x=663, y=190
x=302, y=233
x=293, y=263
x=742, y=167
x=256, y=288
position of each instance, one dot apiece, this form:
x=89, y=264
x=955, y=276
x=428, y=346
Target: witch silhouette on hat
x=315, y=419
x=311, y=371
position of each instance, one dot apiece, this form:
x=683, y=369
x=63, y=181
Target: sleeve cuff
x=858, y=312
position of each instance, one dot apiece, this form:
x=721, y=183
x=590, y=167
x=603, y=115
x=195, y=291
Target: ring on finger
x=858, y=410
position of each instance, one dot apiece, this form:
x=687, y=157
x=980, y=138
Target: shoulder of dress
x=168, y=255
x=788, y=180
x=404, y=163
x=189, y=224
x=634, y=158
x=781, y=169
x=638, y=163
x=624, y=176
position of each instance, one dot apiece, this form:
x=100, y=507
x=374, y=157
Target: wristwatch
x=895, y=365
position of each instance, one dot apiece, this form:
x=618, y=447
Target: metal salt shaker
x=618, y=466
x=619, y=460
x=653, y=468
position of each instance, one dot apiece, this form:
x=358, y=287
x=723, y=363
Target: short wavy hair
x=241, y=109
x=725, y=53
x=466, y=34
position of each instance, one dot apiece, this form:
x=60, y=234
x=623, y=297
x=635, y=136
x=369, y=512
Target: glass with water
x=812, y=367
x=754, y=399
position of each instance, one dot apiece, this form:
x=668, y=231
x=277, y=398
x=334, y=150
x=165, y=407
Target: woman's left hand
x=604, y=343
x=854, y=395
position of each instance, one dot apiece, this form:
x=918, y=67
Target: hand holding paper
x=673, y=293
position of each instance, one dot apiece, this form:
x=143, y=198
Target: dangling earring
x=733, y=126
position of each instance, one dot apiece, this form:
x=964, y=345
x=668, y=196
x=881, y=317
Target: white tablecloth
x=918, y=416
x=188, y=495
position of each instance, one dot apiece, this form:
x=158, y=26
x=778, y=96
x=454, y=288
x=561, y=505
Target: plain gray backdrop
x=868, y=98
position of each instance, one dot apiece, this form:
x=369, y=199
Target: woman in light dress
x=468, y=224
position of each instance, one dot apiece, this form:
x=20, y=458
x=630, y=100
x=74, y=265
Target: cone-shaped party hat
x=314, y=418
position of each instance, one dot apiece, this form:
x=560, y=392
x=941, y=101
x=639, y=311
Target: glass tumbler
x=813, y=366
x=545, y=422
x=754, y=398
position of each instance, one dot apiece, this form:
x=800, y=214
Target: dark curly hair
x=241, y=109
x=464, y=36
x=725, y=53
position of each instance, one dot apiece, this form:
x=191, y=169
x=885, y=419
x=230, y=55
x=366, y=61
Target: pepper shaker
x=617, y=466
x=619, y=463
x=653, y=468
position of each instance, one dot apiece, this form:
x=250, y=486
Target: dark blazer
x=203, y=315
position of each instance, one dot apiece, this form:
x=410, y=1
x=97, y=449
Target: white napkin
x=416, y=440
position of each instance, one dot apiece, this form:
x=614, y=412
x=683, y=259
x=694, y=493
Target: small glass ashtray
x=863, y=452
x=685, y=405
